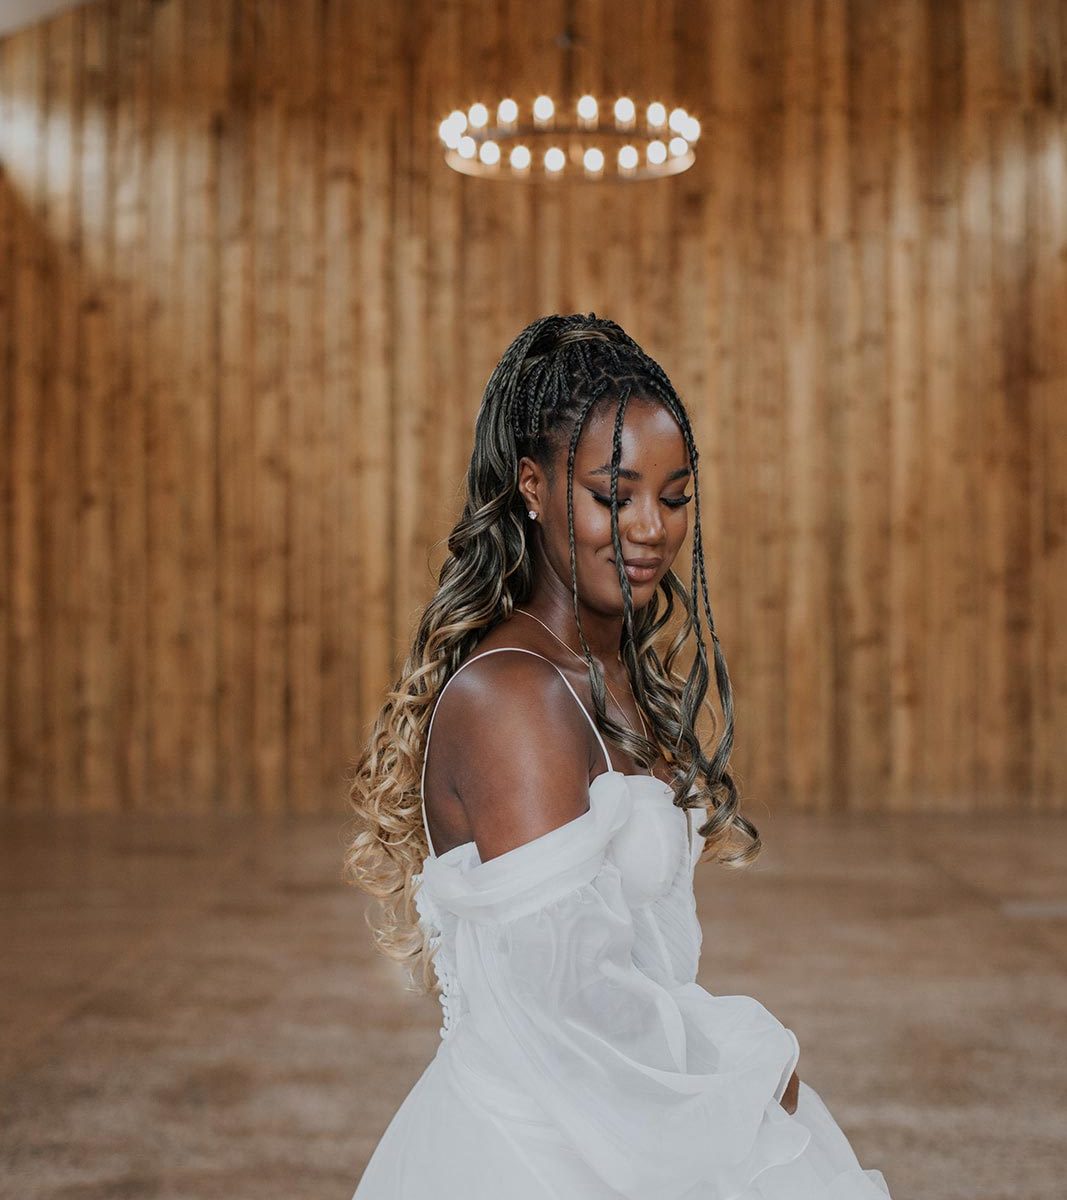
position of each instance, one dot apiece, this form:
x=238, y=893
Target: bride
x=539, y=861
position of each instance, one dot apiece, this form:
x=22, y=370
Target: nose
x=646, y=526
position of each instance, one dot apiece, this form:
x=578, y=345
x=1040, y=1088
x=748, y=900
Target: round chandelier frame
x=541, y=145
x=546, y=142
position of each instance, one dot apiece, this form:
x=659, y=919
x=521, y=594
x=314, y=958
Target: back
x=510, y=753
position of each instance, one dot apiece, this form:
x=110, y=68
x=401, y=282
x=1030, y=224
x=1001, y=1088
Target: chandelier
x=573, y=139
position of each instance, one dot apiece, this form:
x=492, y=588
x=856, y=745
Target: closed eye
x=671, y=502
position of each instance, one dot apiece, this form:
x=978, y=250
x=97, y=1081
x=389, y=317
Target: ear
x=532, y=485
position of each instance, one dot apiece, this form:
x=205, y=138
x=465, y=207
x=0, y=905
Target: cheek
x=592, y=523
x=678, y=530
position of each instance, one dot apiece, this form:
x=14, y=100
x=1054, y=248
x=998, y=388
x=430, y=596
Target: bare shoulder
x=519, y=752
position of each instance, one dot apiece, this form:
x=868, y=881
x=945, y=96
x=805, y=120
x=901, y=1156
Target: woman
x=567, y=800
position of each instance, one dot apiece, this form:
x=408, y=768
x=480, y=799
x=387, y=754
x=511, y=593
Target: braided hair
x=555, y=373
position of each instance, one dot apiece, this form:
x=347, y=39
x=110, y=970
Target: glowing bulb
x=657, y=152
x=593, y=159
x=554, y=159
x=587, y=108
x=628, y=158
x=692, y=130
x=624, y=110
x=543, y=108
x=678, y=119
x=507, y=111
x=489, y=153
x=459, y=119
x=678, y=147
x=520, y=158
x=478, y=115
x=450, y=135
x=656, y=114
x=467, y=146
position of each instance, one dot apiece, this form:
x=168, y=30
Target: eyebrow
x=626, y=473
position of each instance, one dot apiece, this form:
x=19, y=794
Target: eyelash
x=680, y=502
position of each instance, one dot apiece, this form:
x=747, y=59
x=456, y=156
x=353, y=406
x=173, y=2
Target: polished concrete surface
x=191, y=1006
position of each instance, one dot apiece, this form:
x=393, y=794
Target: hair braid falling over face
x=553, y=375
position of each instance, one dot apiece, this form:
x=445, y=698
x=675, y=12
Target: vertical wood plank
x=372, y=512
x=8, y=220
x=238, y=403
x=1047, y=215
x=304, y=750
x=765, y=419
x=117, y=331
x=101, y=633
x=271, y=428
x=413, y=447
x=61, y=476
x=341, y=714
x=205, y=67
x=906, y=399
x=26, y=148
x=723, y=504
x=168, y=407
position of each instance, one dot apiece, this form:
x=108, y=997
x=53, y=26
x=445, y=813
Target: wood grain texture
x=247, y=315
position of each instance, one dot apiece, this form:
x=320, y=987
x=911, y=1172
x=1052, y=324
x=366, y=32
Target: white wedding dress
x=579, y=1058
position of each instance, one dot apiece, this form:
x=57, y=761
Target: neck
x=554, y=605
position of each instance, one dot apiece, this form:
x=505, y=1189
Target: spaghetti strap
x=429, y=730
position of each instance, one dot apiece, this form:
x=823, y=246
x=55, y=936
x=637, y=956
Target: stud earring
x=533, y=515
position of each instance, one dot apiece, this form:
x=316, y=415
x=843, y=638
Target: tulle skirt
x=453, y=1138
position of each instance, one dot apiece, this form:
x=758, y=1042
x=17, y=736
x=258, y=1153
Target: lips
x=642, y=563
x=641, y=570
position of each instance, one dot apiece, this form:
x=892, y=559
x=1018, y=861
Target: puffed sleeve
x=658, y=1088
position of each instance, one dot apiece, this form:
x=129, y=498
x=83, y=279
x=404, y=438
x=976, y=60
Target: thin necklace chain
x=582, y=660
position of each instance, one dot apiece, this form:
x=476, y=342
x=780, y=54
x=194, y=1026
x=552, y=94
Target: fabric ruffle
x=657, y=1088
x=537, y=872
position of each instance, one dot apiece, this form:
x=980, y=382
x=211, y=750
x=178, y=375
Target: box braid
x=567, y=365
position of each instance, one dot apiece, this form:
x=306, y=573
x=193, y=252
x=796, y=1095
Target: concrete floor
x=191, y=1006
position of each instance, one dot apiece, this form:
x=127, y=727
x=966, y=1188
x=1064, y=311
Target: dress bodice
x=648, y=846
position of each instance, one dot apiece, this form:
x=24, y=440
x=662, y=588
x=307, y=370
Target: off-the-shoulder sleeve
x=659, y=1089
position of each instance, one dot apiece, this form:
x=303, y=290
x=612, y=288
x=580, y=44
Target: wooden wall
x=247, y=314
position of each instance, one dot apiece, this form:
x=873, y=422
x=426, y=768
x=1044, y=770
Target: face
x=654, y=491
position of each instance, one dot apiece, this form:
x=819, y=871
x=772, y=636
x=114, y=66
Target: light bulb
x=543, y=108
x=624, y=110
x=554, y=159
x=489, y=153
x=657, y=152
x=467, y=146
x=587, y=108
x=678, y=119
x=507, y=111
x=478, y=115
x=628, y=157
x=593, y=159
x=656, y=114
x=520, y=158
x=678, y=147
